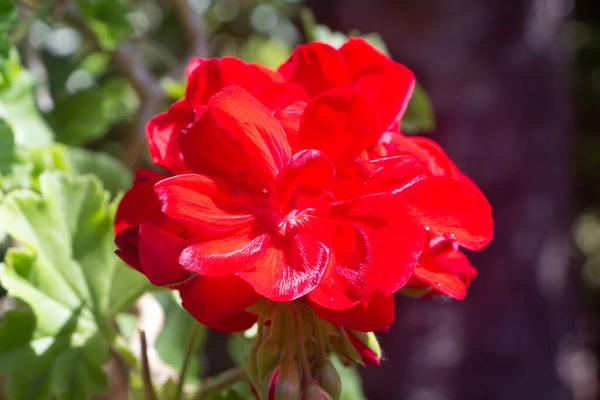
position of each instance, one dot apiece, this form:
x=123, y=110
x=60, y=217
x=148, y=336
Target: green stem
x=148, y=387
x=219, y=382
x=191, y=345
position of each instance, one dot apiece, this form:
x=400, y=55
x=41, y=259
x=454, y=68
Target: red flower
x=319, y=67
x=270, y=193
x=442, y=266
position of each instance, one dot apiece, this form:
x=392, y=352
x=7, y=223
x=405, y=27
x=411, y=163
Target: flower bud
x=328, y=378
x=366, y=346
x=267, y=354
x=252, y=366
x=315, y=392
x=283, y=382
x=344, y=348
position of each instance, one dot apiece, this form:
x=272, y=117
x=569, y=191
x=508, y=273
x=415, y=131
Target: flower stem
x=191, y=345
x=219, y=382
x=148, y=388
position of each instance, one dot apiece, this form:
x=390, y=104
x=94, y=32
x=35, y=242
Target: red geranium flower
x=270, y=194
x=442, y=267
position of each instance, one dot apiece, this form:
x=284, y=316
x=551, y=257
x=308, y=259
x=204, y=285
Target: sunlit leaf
x=65, y=270
x=419, y=116
x=173, y=341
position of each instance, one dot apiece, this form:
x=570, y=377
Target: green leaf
x=419, y=116
x=351, y=382
x=19, y=110
x=115, y=177
x=108, y=19
x=89, y=114
x=7, y=147
x=172, y=343
x=8, y=20
x=66, y=271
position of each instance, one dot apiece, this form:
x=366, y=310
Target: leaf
x=351, y=382
x=7, y=147
x=172, y=343
x=8, y=20
x=89, y=114
x=419, y=116
x=108, y=19
x=66, y=271
x=115, y=177
x=19, y=110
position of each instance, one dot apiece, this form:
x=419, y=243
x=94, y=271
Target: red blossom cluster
x=297, y=184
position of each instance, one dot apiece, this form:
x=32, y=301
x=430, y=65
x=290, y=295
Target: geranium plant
x=284, y=204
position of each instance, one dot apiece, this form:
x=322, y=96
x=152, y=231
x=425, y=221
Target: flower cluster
x=296, y=187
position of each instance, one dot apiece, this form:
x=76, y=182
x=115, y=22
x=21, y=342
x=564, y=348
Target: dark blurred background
x=515, y=86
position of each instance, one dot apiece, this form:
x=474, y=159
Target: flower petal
x=140, y=204
x=308, y=172
x=214, y=206
x=289, y=118
x=341, y=123
x=159, y=253
x=219, y=303
x=431, y=156
x=362, y=235
x=247, y=120
x=291, y=266
x=367, y=316
x=203, y=144
x=162, y=132
x=388, y=84
x=317, y=67
x=453, y=207
x=224, y=255
x=206, y=77
x=278, y=96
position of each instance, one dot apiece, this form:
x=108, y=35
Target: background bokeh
x=515, y=87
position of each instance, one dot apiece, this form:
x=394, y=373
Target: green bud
x=344, y=348
x=328, y=377
x=282, y=383
x=315, y=392
x=267, y=355
x=252, y=366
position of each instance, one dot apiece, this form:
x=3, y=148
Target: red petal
x=308, y=172
x=219, y=303
x=391, y=104
x=289, y=118
x=367, y=316
x=341, y=123
x=203, y=145
x=362, y=236
x=247, y=120
x=431, y=156
x=213, y=205
x=207, y=77
x=453, y=207
x=386, y=83
x=362, y=58
x=159, y=253
x=290, y=267
x=140, y=204
x=394, y=174
x=278, y=96
x=224, y=255
x=317, y=67
x=162, y=132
